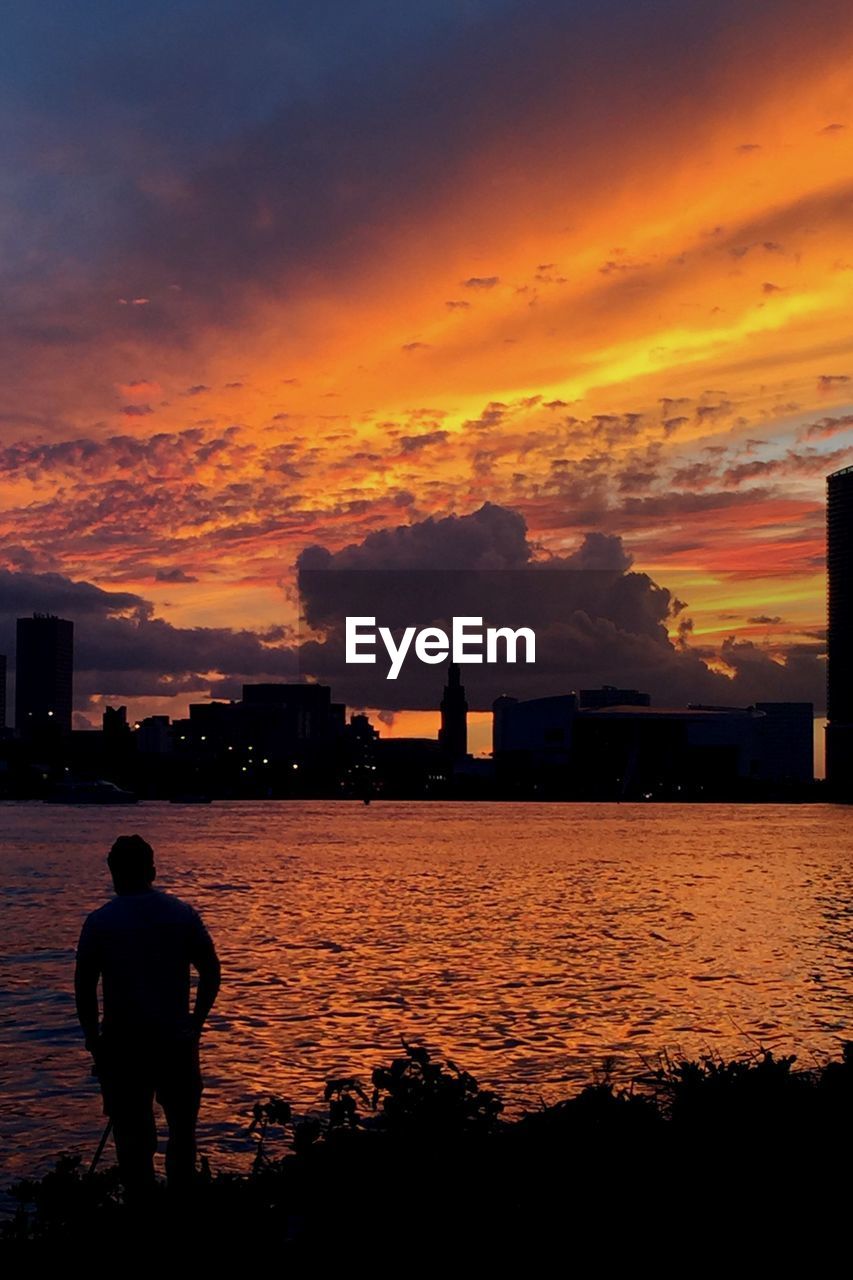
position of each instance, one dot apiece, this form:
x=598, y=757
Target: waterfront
x=526, y=942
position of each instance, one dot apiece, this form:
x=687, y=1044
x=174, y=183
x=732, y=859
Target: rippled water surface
x=526, y=942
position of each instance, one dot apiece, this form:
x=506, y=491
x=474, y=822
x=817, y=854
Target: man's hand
x=87, y=971
x=95, y=1048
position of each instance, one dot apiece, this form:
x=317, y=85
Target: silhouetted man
x=141, y=945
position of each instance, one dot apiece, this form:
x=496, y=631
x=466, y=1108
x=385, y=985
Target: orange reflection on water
x=526, y=942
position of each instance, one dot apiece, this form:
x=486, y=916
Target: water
x=526, y=942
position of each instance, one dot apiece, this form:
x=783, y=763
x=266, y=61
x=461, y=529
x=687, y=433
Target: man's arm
x=206, y=961
x=87, y=971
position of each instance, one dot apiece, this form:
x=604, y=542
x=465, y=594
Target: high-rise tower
x=453, y=734
x=44, y=675
x=839, y=638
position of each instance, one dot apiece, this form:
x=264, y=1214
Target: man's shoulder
x=171, y=900
x=155, y=904
x=100, y=915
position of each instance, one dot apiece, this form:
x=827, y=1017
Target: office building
x=453, y=734
x=44, y=676
x=839, y=638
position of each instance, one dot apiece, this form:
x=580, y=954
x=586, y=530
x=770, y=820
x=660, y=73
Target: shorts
x=135, y=1072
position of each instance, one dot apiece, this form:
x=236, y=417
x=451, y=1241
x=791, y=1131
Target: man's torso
x=144, y=944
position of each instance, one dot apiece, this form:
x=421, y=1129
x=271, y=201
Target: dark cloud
x=672, y=505
x=600, y=551
x=491, y=538
x=413, y=444
x=174, y=575
x=596, y=619
x=165, y=453
x=803, y=462
x=694, y=475
x=122, y=650
x=824, y=428
x=481, y=282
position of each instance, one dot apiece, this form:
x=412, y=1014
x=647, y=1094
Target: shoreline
x=434, y=1147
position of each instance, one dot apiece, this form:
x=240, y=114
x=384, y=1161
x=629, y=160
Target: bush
x=425, y=1155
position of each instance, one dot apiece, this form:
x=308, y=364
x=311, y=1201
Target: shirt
x=143, y=944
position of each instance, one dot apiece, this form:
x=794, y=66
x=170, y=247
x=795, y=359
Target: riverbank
x=420, y=1158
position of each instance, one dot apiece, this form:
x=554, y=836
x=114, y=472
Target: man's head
x=131, y=861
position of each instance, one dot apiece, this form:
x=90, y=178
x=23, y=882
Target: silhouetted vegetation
x=422, y=1159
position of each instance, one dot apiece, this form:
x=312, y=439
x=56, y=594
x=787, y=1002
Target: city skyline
x=291, y=739
x=44, y=648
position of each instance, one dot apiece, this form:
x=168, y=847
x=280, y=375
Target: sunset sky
x=278, y=276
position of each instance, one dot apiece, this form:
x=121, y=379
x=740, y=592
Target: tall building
x=114, y=724
x=839, y=639
x=453, y=734
x=2, y=691
x=785, y=741
x=44, y=675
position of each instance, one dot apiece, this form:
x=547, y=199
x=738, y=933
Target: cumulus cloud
x=122, y=650
x=413, y=444
x=174, y=575
x=597, y=620
x=88, y=458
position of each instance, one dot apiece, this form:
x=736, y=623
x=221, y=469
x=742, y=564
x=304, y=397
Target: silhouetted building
x=658, y=751
x=44, y=676
x=154, y=736
x=786, y=741
x=453, y=734
x=533, y=743
x=114, y=724
x=501, y=710
x=410, y=767
x=609, y=696
x=303, y=713
x=839, y=641
x=2, y=691
x=542, y=728
x=552, y=746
